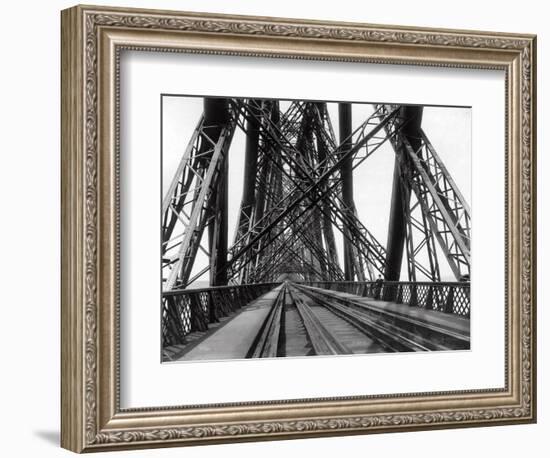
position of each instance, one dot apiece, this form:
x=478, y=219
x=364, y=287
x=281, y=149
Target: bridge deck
x=235, y=336
x=298, y=320
x=450, y=321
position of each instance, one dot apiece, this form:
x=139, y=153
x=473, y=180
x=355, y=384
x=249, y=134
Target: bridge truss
x=298, y=194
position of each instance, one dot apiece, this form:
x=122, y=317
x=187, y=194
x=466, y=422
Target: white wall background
x=29, y=241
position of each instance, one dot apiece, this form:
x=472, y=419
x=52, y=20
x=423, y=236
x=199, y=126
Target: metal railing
x=189, y=310
x=448, y=297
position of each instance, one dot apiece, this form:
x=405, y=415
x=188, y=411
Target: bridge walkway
x=231, y=337
x=297, y=320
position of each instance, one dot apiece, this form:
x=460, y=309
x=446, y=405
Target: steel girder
x=443, y=205
x=434, y=208
x=191, y=199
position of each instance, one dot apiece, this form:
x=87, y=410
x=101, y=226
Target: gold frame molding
x=92, y=38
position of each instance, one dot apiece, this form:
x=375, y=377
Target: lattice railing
x=448, y=297
x=189, y=310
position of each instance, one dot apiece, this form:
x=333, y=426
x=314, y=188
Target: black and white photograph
x=301, y=228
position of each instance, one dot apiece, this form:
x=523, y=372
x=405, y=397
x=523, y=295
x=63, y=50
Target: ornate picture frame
x=92, y=40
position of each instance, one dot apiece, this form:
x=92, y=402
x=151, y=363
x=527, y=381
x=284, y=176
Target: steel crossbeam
x=375, y=123
x=319, y=253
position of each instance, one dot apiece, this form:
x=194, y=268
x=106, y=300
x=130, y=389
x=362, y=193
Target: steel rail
x=322, y=340
x=414, y=333
x=266, y=345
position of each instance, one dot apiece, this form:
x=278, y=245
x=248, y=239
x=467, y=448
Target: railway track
x=306, y=321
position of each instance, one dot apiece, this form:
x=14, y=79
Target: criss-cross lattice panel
x=442, y=204
x=176, y=319
x=185, y=205
x=461, y=301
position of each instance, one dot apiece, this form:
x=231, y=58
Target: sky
x=448, y=129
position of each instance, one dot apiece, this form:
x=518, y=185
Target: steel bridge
x=282, y=287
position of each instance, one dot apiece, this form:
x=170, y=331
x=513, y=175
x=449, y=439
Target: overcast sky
x=448, y=128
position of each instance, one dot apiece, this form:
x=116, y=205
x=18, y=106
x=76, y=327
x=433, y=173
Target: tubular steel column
x=411, y=117
x=265, y=170
x=216, y=115
x=327, y=230
x=346, y=171
x=250, y=163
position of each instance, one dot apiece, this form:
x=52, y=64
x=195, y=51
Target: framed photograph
x=278, y=228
